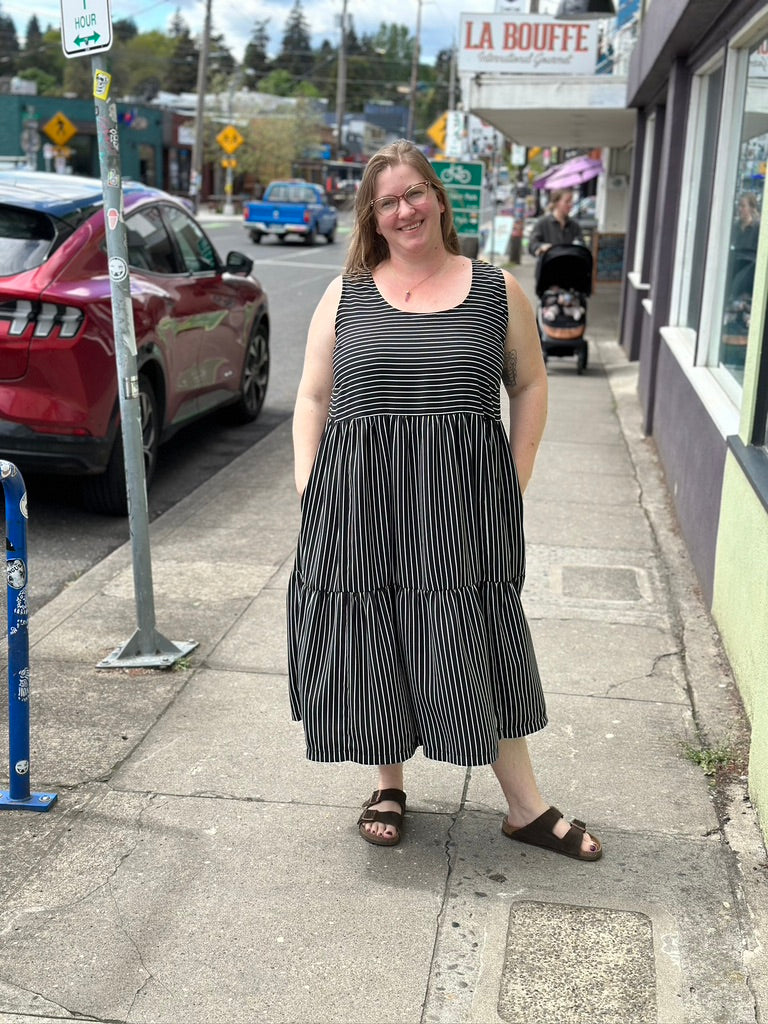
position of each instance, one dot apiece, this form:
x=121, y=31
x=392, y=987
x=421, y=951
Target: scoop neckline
x=431, y=312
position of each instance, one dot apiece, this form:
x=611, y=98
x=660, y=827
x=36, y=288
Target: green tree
x=124, y=30
x=9, y=46
x=255, y=58
x=296, y=53
x=221, y=63
x=47, y=85
x=272, y=144
x=32, y=55
x=51, y=60
x=181, y=74
x=277, y=83
x=139, y=66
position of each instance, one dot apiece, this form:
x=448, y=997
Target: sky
x=235, y=19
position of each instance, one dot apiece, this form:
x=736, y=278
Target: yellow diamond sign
x=59, y=129
x=436, y=131
x=229, y=139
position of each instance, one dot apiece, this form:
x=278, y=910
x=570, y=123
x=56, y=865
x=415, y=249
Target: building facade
x=693, y=309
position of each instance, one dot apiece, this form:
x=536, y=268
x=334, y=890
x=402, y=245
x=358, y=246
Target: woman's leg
x=390, y=777
x=514, y=771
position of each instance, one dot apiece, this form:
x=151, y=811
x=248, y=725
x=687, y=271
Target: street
x=65, y=540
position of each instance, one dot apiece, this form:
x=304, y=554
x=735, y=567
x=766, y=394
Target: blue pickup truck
x=291, y=208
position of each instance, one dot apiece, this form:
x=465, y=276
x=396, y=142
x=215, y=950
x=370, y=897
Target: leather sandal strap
x=385, y=817
x=395, y=795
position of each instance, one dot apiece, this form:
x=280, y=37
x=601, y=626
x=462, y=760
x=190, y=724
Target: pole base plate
x=157, y=653
x=34, y=802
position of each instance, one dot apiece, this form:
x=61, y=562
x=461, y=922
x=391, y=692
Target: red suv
x=201, y=327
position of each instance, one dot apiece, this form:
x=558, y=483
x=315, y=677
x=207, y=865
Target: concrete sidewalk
x=196, y=868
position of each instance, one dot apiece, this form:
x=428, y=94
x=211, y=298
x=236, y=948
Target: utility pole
x=196, y=176
x=414, y=73
x=341, y=80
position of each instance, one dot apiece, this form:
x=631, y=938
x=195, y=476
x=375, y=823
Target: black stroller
x=563, y=282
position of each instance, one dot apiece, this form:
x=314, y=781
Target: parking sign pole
x=147, y=647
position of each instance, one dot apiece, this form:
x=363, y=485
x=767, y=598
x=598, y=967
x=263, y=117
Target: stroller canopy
x=565, y=266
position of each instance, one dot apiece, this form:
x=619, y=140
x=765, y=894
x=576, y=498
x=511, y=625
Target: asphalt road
x=65, y=540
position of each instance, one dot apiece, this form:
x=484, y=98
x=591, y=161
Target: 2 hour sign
x=86, y=27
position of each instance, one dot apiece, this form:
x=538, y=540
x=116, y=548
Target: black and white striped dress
x=404, y=620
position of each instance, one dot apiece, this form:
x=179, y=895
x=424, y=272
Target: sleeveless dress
x=405, y=627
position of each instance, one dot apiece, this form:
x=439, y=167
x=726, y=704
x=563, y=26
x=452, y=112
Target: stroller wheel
x=583, y=358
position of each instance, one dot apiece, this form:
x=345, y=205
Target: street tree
x=295, y=55
x=255, y=58
x=32, y=54
x=181, y=73
x=9, y=45
x=45, y=65
x=274, y=143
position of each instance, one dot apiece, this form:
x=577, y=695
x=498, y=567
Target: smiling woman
x=405, y=627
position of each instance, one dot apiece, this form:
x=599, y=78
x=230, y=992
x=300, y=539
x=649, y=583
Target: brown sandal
x=539, y=833
x=385, y=817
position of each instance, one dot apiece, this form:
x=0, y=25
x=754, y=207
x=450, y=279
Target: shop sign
x=526, y=44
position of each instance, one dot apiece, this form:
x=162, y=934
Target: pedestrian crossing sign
x=59, y=129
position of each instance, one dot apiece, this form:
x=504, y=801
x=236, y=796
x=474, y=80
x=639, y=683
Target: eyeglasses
x=414, y=196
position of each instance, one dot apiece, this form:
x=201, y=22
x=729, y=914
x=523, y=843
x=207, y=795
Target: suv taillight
x=44, y=315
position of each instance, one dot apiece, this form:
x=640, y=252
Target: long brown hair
x=367, y=248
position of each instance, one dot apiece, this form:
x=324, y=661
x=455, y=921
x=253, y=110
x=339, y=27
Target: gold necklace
x=409, y=291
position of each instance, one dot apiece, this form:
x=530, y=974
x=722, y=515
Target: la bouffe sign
x=526, y=44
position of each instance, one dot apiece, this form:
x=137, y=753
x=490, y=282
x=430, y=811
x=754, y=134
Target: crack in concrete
x=448, y=851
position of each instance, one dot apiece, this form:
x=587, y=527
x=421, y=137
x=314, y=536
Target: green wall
x=140, y=147
x=740, y=609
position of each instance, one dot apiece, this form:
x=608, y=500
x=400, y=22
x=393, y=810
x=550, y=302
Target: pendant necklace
x=409, y=291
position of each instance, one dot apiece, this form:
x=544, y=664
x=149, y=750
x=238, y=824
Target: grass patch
x=721, y=757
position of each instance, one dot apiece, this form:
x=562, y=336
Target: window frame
x=644, y=200
x=690, y=199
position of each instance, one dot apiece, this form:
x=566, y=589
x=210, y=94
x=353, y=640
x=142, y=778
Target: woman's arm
x=314, y=395
x=525, y=378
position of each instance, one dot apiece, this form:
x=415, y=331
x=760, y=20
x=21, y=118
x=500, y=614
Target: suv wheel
x=253, y=384
x=107, y=493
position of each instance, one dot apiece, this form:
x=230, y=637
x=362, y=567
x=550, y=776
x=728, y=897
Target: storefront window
x=696, y=243
x=745, y=227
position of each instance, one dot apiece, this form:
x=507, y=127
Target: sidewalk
x=197, y=868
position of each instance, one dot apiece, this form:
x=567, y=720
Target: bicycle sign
x=460, y=174
x=464, y=184
x=456, y=174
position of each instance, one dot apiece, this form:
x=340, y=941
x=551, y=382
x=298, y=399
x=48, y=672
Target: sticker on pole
x=86, y=27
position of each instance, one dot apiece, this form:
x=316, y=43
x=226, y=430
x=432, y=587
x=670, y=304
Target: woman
x=556, y=227
x=404, y=620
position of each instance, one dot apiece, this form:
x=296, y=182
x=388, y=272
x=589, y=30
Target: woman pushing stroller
x=556, y=227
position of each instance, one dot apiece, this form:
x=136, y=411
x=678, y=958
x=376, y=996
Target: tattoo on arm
x=509, y=370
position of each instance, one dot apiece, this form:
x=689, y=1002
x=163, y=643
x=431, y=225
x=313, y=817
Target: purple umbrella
x=541, y=180
x=574, y=172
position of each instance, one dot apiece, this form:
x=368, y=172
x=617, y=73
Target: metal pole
x=18, y=795
x=196, y=177
x=147, y=648
x=452, y=80
x=414, y=73
x=341, y=81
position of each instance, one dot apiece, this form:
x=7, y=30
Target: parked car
x=201, y=328
x=291, y=208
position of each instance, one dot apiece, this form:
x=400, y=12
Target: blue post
x=18, y=795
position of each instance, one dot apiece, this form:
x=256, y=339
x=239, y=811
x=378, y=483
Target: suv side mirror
x=238, y=263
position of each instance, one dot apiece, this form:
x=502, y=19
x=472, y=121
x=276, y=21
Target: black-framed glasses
x=414, y=196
